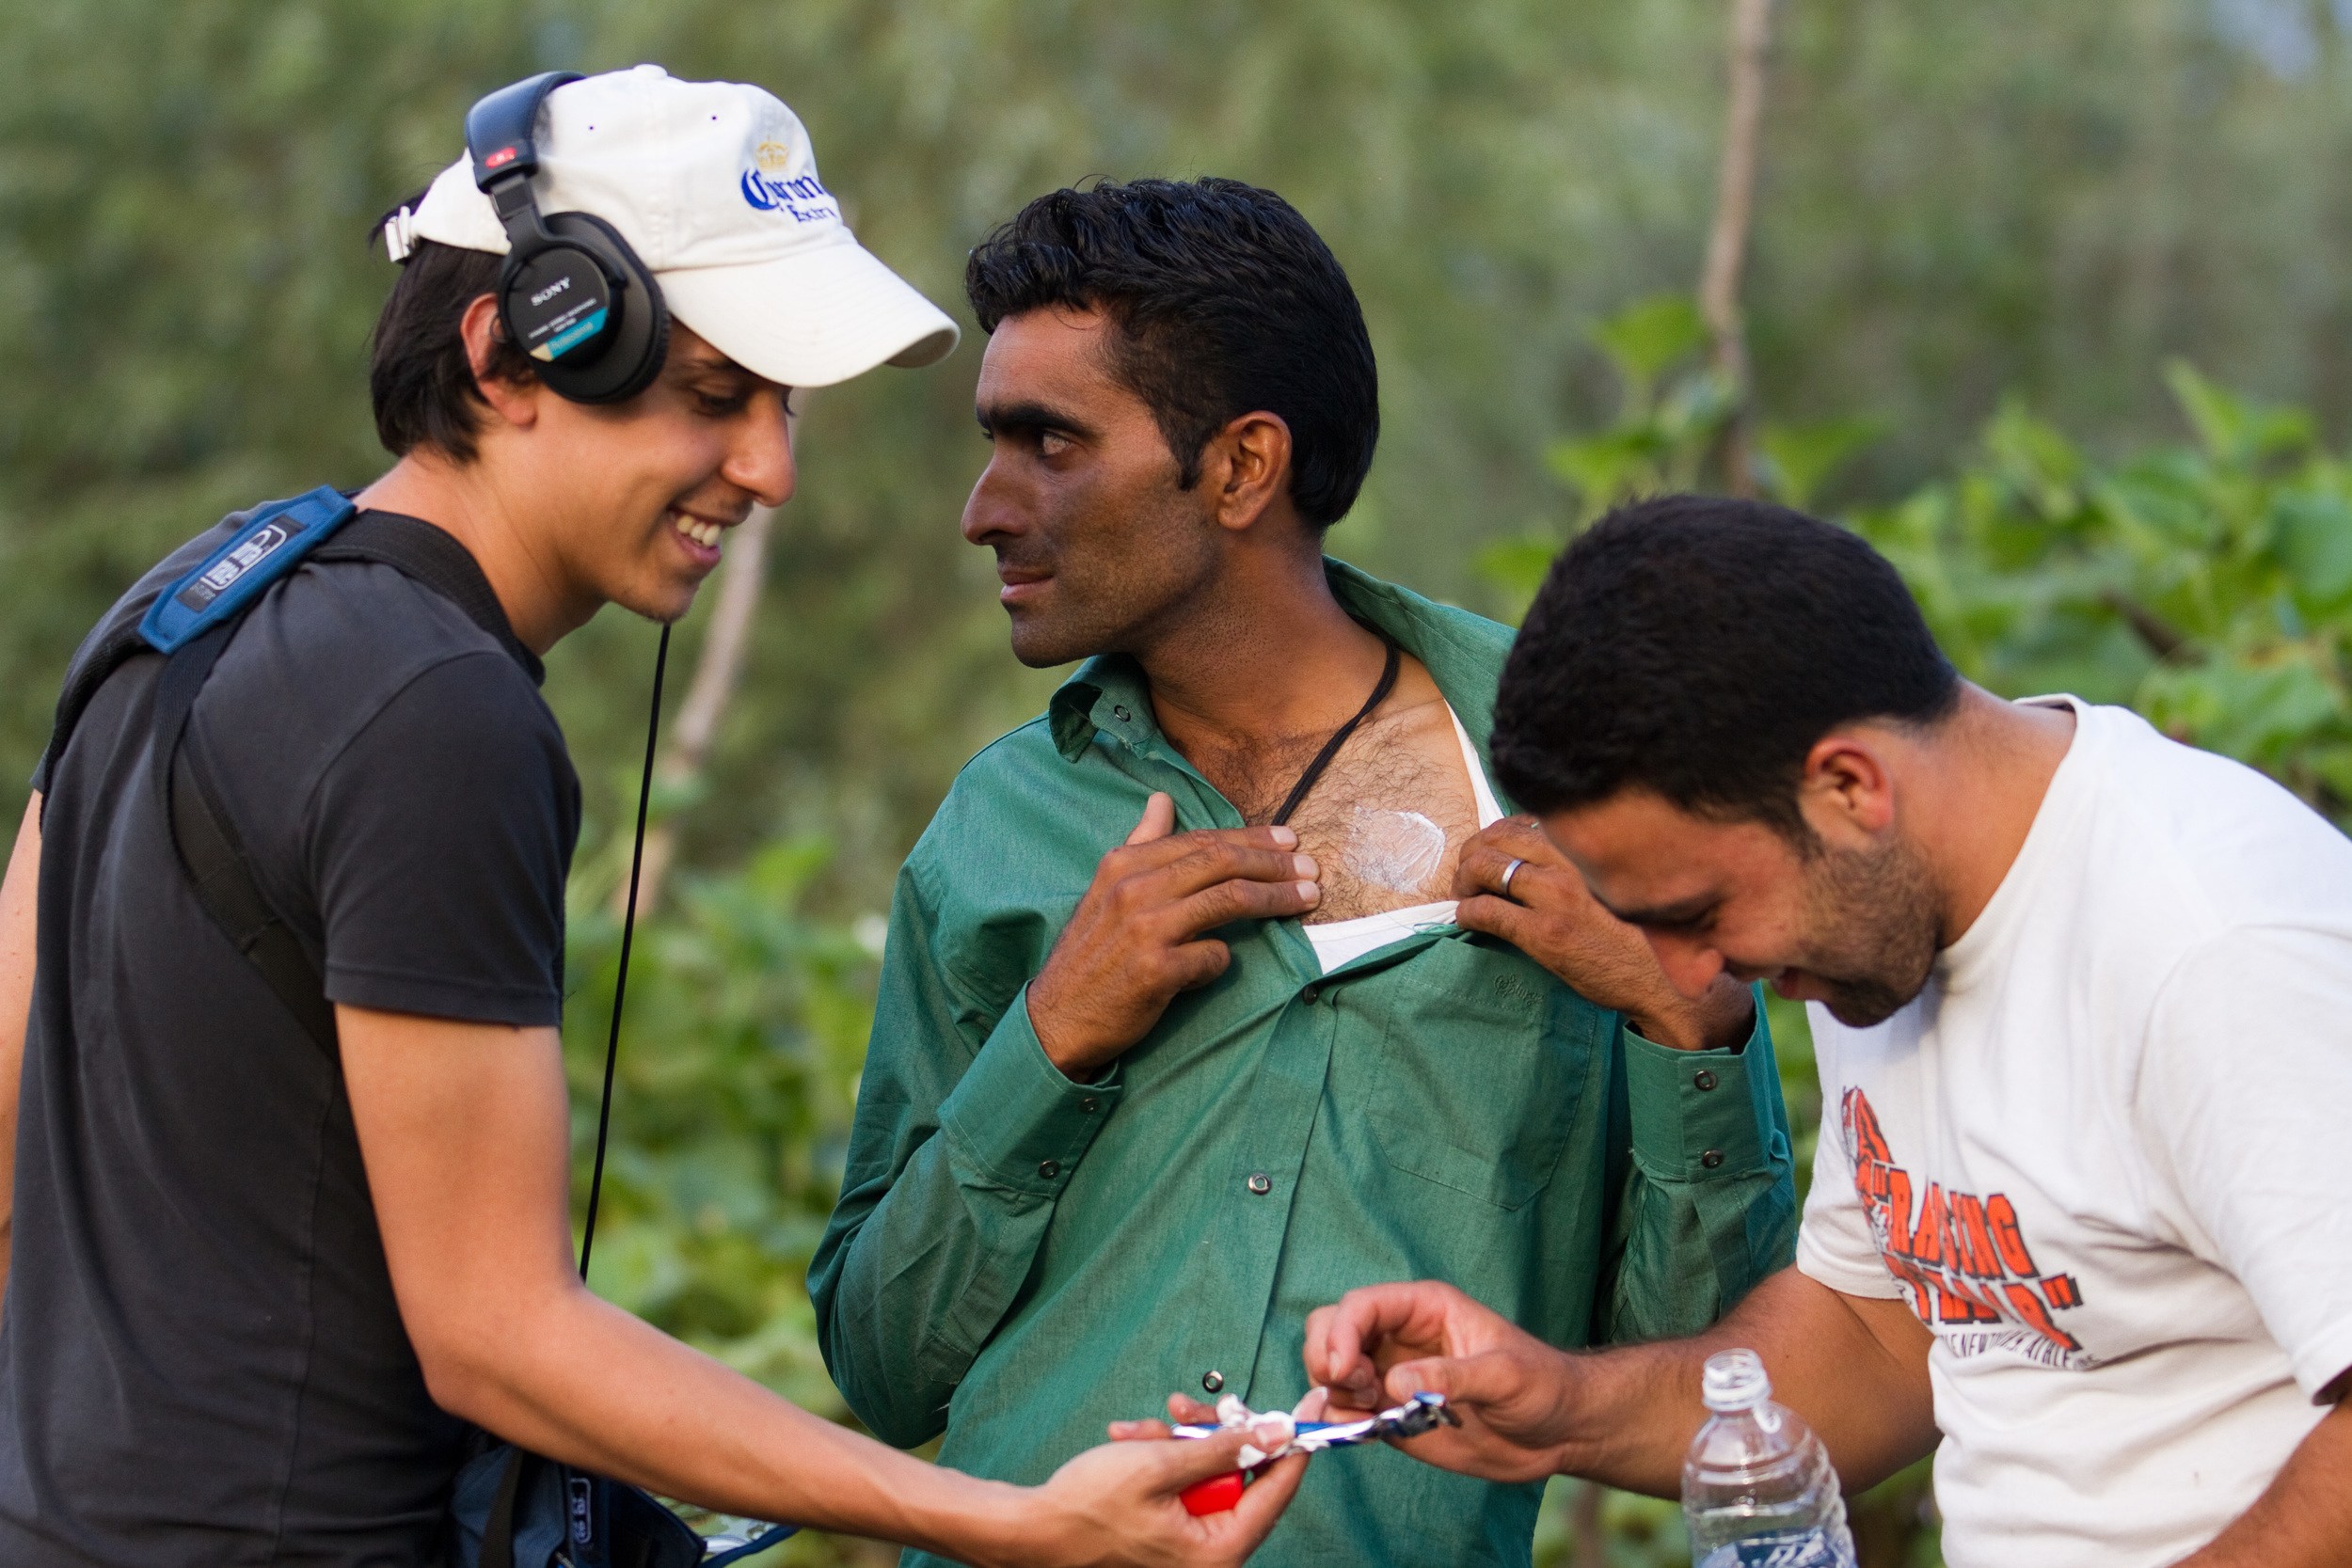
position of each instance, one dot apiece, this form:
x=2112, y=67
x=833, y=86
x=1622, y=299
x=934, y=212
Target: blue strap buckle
x=273, y=541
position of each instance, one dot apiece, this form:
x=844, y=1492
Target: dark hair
x=1225, y=302
x=419, y=377
x=1697, y=647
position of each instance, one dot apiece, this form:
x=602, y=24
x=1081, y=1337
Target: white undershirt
x=1340, y=943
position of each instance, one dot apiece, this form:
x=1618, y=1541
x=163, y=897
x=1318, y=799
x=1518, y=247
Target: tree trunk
x=1727, y=242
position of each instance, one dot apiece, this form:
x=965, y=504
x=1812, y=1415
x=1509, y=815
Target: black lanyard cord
x=628, y=931
x=1332, y=747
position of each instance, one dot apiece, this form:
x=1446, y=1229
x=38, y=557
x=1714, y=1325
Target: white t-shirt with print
x=2101, y=1156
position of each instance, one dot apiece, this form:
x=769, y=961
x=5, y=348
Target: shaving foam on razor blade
x=1420, y=1413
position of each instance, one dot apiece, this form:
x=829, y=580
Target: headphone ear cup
x=636, y=337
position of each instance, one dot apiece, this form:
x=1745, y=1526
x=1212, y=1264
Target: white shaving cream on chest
x=1400, y=850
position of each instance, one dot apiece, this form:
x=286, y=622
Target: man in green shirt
x=1138, y=1099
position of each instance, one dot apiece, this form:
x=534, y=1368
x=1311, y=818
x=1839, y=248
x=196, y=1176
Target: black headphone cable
x=628, y=931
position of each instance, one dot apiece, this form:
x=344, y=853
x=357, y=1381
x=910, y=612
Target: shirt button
x=1119, y=713
x=1309, y=995
x=1052, y=1168
x=1090, y=1102
x=1713, y=1158
x=1211, y=1381
x=1261, y=1183
x=1703, y=1079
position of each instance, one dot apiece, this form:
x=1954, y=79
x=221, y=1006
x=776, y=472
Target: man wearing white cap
x=281, y=941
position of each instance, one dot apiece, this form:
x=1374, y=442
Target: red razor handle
x=1217, y=1495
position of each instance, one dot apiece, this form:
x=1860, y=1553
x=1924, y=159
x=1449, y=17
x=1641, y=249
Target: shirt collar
x=1463, y=654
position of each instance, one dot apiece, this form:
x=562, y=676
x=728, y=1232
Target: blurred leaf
x=1516, y=568
x=1648, y=337
x=2332, y=767
x=1613, y=464
x=1663, y=433
x=2230, y=427
x=1800, y=458
x=2209, y=586
x=2313, y=535
x=2262, y=709
x=2040, y=465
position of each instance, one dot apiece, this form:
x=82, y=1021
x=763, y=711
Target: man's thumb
x=1159, y=820
x=1466, y=1380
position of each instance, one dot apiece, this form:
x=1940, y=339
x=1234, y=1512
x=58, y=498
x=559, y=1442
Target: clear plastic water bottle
x=1757, y=1489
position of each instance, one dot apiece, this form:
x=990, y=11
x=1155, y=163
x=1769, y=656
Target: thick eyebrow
x=1014, y=417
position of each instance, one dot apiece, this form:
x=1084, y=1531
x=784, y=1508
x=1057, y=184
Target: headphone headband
x=501, y=131
x=571, y=293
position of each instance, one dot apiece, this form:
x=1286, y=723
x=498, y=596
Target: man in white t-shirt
x=2083, y=1003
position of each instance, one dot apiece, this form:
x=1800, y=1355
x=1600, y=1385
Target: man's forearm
x=1850, y=1368
x=1855, y=1368
x=2303, y=1519
x=581, y=1381
x=464, y=1127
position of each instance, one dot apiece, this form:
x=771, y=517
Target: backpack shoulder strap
x=191, y=621
x=210, y=853
x=431, y=556
x=222, y=587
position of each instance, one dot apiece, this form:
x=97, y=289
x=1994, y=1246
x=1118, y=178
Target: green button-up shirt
x=1019, y=1258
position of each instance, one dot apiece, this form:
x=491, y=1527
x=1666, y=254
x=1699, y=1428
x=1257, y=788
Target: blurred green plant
x=1634, y=1531
x=2206, y=583
x=1670, y=413
x=745, y=1031
x=1672, y=409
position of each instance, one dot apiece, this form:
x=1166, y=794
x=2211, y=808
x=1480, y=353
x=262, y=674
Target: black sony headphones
x=572, y=294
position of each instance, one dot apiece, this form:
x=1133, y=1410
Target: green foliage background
x=1991, y=240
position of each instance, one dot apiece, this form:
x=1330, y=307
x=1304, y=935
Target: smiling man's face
x=648, y=488
x=1856, y=929
x=1096, y=545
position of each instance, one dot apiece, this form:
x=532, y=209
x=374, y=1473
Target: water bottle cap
x=1735, y=1380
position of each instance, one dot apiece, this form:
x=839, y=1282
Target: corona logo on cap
x=804, y=199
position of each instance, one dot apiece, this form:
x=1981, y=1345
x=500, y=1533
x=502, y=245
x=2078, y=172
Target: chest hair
x=1387, y=819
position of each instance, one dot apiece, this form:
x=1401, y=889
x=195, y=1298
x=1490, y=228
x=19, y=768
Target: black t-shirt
x=201, y=1361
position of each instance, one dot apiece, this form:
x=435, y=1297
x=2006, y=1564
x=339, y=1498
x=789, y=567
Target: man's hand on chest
x=1513, y=882
x=1136, y=940
x=1387, y=820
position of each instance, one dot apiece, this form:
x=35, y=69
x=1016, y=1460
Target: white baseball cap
x=714, y=185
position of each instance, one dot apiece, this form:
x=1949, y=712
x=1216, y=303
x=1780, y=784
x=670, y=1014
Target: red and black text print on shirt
x=1962, y=1259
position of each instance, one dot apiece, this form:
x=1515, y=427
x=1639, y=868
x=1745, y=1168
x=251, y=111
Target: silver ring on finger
x=1508, y=872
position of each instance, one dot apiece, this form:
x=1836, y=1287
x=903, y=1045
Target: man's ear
x=1247, y=465
x=1846, y=793
x=514, y=402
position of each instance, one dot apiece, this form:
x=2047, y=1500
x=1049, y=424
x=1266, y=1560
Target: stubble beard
x=1123, y=589
x=1877, y=912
